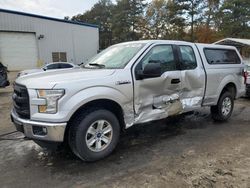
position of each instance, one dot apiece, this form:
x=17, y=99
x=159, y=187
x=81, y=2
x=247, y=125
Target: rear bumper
x=39, y=130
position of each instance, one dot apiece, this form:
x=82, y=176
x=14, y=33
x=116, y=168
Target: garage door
x=18, y=51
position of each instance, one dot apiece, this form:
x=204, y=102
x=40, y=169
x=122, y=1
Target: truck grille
x=21, y=101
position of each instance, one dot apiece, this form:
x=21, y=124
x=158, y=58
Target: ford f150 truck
x=126, y=84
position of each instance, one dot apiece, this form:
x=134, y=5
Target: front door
x=157, y=98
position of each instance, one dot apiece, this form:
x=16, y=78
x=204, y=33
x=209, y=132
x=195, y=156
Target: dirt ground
x=187, y=151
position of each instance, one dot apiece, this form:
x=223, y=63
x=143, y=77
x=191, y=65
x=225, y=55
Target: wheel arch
x=229, y=87
x=102, y=103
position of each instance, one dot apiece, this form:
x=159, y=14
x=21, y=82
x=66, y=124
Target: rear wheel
x=223, y=110
x=94, y=134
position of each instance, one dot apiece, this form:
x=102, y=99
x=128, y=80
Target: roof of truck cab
x=177, y=42
x=155, y=41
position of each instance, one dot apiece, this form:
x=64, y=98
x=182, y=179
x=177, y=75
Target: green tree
x=211, y=9
x=195, y=20
x=155, y=24
x=206, y=30
x=192, y=9
x=176, y=20
x=235, y=18
x=127, y=15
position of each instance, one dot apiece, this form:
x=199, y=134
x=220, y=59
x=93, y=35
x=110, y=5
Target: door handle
x=175, y=81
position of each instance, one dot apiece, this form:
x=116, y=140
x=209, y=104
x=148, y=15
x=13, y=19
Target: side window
x=221, y=56
x=163, y=54
x=188, y=60
x=51, y=66
x=60, y=66
x=65, y=66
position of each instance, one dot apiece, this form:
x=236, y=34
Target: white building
x=29, y=41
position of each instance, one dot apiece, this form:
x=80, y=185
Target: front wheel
x=223, y=110
x=94, y=134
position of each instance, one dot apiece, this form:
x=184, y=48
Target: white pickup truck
x=124, y=85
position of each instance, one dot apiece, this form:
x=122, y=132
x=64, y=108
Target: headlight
x=51, y=96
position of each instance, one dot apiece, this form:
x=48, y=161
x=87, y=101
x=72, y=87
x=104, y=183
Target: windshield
x=115, y=57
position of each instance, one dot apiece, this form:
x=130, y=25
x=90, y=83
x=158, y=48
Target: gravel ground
x=185, y=151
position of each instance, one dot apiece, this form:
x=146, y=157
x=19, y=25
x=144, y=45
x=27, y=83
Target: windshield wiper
x=97, y=65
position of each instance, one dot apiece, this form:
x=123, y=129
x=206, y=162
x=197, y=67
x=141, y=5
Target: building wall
x=79, y=41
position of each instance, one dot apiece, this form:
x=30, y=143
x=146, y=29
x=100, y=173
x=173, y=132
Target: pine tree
x=193, y=10
x=176, y=21
x=235, y=18
x=155, y=20
x=127, y=15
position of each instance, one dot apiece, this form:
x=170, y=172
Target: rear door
x=157, y=98
x=193, y=76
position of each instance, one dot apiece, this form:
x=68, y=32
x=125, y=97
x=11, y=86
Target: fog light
x=40, y=131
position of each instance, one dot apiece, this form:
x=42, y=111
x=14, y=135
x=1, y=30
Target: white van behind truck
x=124, y=85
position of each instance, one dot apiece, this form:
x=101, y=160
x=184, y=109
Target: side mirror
x=151, y=70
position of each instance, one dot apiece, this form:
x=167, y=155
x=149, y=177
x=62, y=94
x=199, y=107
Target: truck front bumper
x=38, y=130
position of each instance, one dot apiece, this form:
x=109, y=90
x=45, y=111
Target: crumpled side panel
x=153, y=102
x=193, y=86
x=163, y=106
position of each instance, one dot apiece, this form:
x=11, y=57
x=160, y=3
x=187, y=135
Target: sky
x=51, y=8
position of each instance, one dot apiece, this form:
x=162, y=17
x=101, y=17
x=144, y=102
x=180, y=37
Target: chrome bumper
x=39, y=130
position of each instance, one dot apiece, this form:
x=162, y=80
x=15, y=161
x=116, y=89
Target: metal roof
x=234, y=41
x=48, y=18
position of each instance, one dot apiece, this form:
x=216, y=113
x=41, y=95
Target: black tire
x=216, y=111
x=79, y=128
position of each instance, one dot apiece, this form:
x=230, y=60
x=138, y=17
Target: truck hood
x=48, y=79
